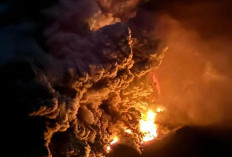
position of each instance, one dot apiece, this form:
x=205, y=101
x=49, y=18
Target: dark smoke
x=79, y=71
x=79, y=78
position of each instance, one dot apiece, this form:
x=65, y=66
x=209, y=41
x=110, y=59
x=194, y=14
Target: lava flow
x=148, y=127
x=115, y=140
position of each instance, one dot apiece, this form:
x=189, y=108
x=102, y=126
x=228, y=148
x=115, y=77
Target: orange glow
x=128, y=131
x=159, y=110
x=108, y=148
x=115, y=140
x=148, y=126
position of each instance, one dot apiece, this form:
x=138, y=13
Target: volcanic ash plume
x=98, y=82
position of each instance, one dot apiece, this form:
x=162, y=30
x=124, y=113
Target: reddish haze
x=195, y=76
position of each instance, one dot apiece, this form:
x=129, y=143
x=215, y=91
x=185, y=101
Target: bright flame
x=128, y=131
x=108, y=148
x=148, y=126
x=115, y=140
x=159, y=110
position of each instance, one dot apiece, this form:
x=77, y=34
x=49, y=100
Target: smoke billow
x=82, y=71
x=84, y=80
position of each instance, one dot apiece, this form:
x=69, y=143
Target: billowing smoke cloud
x=87, y=81
x=79, y=70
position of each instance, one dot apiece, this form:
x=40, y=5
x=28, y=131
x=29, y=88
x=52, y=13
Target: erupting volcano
x=97, y=83
x=94, y=77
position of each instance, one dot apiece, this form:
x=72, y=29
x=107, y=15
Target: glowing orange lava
x=108, y=148
x=128, y=131
x=148, y=126
x=159, y=110
x=115, y=140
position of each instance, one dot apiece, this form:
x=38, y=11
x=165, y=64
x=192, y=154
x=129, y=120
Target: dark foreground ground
x=186, y=142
